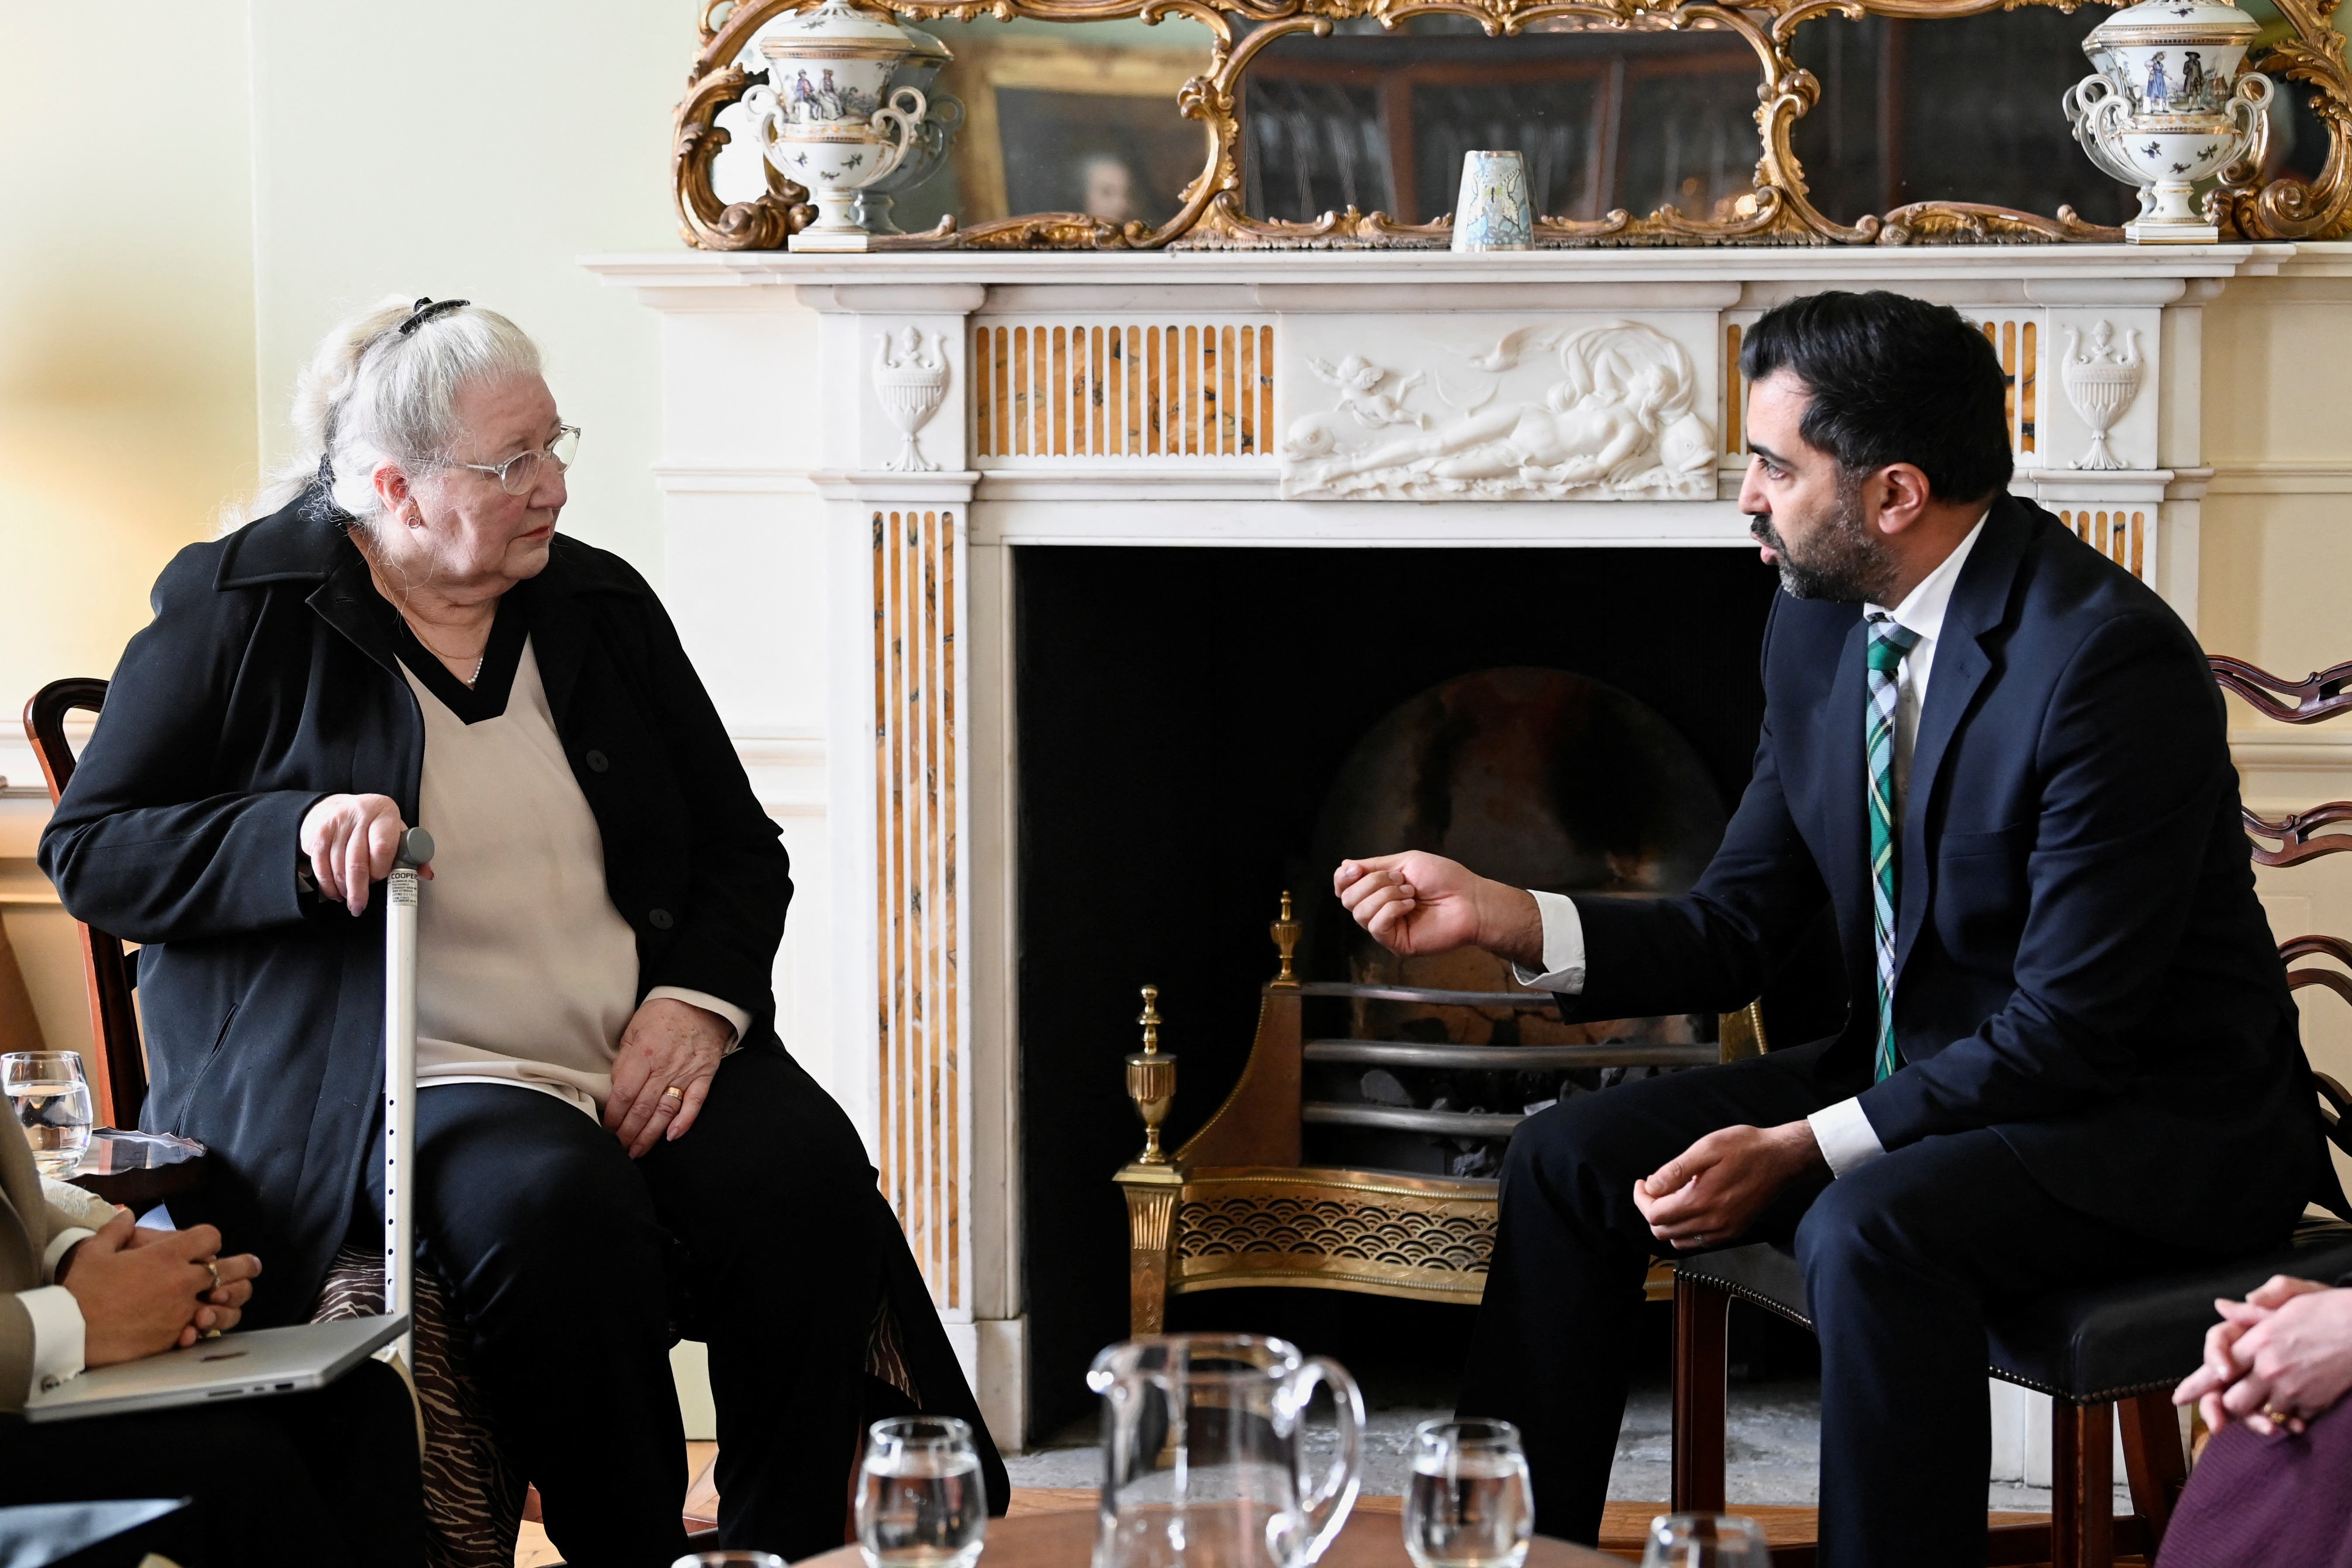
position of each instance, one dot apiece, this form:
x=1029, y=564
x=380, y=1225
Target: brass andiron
x=1151, y=1080
x=1284, y=931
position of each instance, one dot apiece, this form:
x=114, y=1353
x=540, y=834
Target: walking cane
x=400, y=1084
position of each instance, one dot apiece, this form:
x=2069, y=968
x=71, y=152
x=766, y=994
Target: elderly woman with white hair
x=612, y=1140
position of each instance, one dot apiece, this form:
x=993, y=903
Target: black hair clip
x=428, y=307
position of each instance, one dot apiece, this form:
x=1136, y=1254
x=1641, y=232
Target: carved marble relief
x=1606, y=411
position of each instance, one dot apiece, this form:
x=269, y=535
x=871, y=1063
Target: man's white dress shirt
x=1843, y=1130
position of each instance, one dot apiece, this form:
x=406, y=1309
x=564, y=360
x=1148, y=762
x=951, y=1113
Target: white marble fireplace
x=845, y=590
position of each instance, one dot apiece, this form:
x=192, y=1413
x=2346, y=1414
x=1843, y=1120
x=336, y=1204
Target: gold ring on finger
x=212, y=1268
x=2275, y=1418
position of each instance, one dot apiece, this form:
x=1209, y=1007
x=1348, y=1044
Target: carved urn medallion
x=2170, y=104
x=828, y=118
x=910, y=378
x=2101, y=381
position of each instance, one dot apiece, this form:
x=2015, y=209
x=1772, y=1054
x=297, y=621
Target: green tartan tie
x=1884, y=656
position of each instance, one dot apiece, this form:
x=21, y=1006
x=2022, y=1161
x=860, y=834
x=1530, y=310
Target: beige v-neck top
x=525, y=972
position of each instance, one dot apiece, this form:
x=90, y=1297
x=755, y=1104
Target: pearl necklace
x=444, y=659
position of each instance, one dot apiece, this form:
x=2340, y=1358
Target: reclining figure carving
x=1623, y=424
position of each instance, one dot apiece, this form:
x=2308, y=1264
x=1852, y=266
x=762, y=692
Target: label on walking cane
x=404, y=887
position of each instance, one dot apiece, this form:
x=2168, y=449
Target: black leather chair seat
x=2092, y=1346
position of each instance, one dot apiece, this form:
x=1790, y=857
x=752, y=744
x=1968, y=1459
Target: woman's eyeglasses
x=526, y=471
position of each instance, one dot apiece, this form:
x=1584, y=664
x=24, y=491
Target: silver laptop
x=233, y=1366
x=302, y=1355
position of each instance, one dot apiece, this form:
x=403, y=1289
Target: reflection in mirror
x=2298, y=140
x=1960, y=109
x=1380, y=121
x=1032, y=116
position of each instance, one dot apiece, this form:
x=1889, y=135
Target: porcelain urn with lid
x=828, y=118
x=2171, y=103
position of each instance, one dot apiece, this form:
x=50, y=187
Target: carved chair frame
x=1778, y=211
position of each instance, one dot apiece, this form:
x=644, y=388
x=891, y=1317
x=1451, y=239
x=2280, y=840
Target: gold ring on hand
x=675, y=1096
x=2275, y=1418
x=212, y=1268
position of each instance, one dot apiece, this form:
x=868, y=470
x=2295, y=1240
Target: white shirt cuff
x=736, y=1017
x=1847, y=1139
x=58, y=1244
x=58, y=1335
x=1563, y=945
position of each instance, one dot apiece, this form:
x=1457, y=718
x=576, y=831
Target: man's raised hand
x=1416, y=904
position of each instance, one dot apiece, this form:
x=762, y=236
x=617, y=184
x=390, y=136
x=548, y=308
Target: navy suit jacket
x=2081, y=964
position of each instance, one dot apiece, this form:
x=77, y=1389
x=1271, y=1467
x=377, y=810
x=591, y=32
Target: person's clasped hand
x=669, y=1054
x=1711, y=1192
x=350, y=841
x=145, y=1291
x=2276, y=1360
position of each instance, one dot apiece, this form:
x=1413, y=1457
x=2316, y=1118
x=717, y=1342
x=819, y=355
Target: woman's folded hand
x=2223, y=1369
x=2295, y=1363
x=668, y=1046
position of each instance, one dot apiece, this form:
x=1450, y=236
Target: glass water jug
x=1205, y=1458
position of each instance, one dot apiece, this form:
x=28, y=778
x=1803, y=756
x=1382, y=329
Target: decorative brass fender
x=1237, y=1205
x=1778, y=211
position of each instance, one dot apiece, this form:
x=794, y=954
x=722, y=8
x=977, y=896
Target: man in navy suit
x=2069, y=1052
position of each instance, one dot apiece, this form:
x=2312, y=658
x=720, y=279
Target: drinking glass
x=921, y=1500
x=52, y=1100
x=1469, y=1506
x=1705, y=1541
x=731, y=1559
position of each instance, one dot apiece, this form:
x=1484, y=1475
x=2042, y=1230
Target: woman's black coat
x=267, y=680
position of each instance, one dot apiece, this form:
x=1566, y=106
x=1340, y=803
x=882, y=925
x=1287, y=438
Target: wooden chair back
x=2301, y=837
x=120, y=1060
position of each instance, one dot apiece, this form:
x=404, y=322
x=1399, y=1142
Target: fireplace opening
x=1200, y=730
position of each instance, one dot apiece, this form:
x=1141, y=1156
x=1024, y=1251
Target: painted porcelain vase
x=2170, y=103
x=829, y=119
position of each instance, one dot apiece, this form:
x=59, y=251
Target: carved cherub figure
x=1358, y=381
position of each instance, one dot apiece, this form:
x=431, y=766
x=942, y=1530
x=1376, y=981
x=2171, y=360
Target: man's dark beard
x=1844, y=562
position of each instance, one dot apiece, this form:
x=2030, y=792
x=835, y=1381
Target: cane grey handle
x=416, y=848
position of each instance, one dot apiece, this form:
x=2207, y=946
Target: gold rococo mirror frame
x=1776, y=211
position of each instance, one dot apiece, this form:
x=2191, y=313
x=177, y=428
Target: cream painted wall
x=126, y=325
x=476, y=148
x=2275, y=575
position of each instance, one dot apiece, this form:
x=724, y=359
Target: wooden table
x=1067, y=1540
x=139, y=1170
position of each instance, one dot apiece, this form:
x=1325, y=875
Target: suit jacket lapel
x=1978, y=605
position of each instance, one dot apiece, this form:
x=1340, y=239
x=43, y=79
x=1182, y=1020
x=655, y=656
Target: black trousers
x=286, y=1481
x=560, y=1252
x=1901, y=1257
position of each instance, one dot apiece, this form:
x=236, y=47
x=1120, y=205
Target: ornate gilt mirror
x=1116, y=124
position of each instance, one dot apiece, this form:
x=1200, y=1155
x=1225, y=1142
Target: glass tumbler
x=1705, y=1541
x=1469, y=1506
x=921, y=1500
x=731, y=1559
x=51, y=1099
